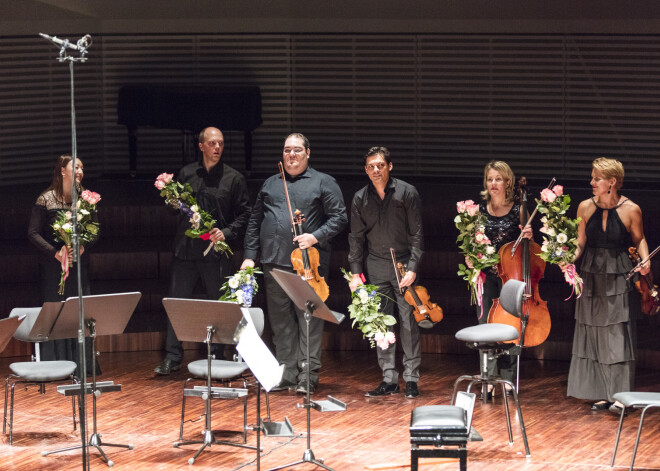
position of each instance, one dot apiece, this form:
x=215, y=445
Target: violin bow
x=529, y=221
x=650, y=256
x=286, y=194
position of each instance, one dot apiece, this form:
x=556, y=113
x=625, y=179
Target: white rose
x=66, y=227
x=364, y=296
x=239, y=296
x=551, y=232
x=457, y=219
x=490, y=250
x=562, y=238
x=233, y=282
x=194, y=208
x=479, y=237
x=56, y=227
x=84, y=212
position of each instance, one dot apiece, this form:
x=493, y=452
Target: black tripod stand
x=304, y=297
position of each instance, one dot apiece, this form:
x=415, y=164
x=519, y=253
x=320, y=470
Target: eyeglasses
x=295, y=150
x=379, y=166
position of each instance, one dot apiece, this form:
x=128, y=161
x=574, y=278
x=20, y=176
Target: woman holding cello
x=504, y=225
x=603, y=361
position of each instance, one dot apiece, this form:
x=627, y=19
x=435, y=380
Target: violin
x=645, y=286
x=524, y=265
x=305, y=261
x=427, y=313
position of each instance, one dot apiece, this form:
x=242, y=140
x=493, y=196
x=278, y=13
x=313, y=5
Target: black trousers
x=289, y=332
x=184, y=277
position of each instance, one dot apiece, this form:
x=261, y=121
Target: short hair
x=202, y=134
x=610, y=168
x=504, y=169
x=299, y=136
x=378, y=150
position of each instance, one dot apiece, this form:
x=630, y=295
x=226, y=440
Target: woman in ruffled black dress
x=40, y=232
x=603, y=360
x=503, y=226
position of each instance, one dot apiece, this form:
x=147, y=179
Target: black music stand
x=7, y=328
x=200, y=320
x=105, y=314
x=306, y=299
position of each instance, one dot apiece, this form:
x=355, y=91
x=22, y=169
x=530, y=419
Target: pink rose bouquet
x=88, y=228
x=475, y=246
x=559, y=234
x=180, y=196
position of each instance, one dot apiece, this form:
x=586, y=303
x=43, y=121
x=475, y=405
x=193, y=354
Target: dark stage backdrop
x=444, y=103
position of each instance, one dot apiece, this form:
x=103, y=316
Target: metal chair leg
x=4, y=420
x=618, y=435
x=639, y=433
x=11, y=415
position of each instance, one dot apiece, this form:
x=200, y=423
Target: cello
x=524, y=265
x=305, y=261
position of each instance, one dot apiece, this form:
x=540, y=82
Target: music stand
x=105, y=314
x=7, y=328
x=306, y=299
x=200, y=320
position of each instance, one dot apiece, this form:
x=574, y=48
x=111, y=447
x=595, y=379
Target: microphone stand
x=82, y=46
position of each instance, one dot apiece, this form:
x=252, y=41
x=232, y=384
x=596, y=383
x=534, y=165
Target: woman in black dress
x=40, y=232
x=503, y=226
x=603, y=361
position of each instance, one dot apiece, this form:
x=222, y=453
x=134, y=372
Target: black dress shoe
x=411, y=389
x=384, y=389
x=167, y=366
x=283, y=385
x=601, y=405
x=302, y=388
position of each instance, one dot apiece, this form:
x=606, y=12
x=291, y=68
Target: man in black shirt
x=386, y=214
x=269, y=235
x=221, y=191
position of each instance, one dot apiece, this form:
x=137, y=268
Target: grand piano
x=189, y=108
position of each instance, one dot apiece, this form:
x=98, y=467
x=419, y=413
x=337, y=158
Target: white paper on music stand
x=261, y=361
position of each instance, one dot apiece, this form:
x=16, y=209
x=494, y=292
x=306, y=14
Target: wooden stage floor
x=563, y=433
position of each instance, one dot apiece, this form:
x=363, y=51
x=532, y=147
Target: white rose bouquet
x=559, y=234
x=241, y=287
x=365, y=312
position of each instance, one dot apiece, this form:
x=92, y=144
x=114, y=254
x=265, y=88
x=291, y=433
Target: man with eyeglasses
x=387, y=213
x=222, y=192
x=270, y=239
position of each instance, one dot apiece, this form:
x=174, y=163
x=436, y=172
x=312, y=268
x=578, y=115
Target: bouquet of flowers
x=475, y=246
x=180, y=196
x=241, y=287
x=559, y=235
x=365, y=312
x=88, y=229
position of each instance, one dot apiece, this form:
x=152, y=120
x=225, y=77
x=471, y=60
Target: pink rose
x=389, y=337
x=469, y=202
x=558, y=190
x=468, y=262
x=159, y=184
x=91, y=197
x=480, y=255
x=461, y=206
x=472, y=209
x=548, y=195
x=379, y=336
x=165, y=177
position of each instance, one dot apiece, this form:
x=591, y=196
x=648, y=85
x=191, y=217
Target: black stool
x=439, y=426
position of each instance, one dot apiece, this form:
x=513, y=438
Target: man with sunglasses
x=270, y=239
x=387, y=213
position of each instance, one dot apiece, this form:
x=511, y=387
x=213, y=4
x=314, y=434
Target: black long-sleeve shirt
x=393, y=222
x=314, y=193
x=222, y=192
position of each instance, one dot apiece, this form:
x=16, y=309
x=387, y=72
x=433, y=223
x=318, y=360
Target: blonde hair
x=504, y=170
x=610, y=168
